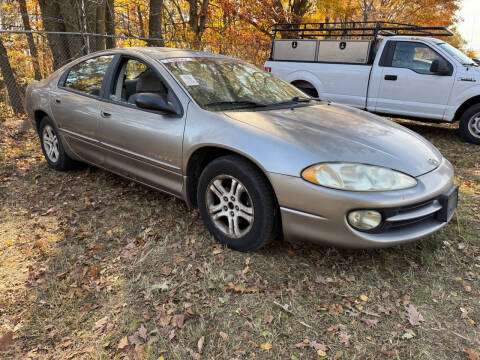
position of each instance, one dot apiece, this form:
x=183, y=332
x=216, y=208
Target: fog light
x=364, y=219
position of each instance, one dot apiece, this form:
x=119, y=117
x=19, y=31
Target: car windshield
x=226, y=84
x=457, y=54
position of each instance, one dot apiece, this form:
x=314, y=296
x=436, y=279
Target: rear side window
x=87, y=76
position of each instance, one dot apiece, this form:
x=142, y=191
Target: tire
x=252, y=197
x=58, y=158
x=470, y=125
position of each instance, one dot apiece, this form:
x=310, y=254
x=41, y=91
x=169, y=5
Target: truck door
x=406, y=84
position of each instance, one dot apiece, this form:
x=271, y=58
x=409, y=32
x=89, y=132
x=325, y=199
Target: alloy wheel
x=230, y=206
x=50, y=144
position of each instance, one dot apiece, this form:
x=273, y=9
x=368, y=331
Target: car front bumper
x=318, y=214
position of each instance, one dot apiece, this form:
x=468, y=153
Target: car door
x=75, y=106
x=407, y=87
x=141, y=144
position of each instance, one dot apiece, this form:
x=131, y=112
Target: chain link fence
x=26, y=56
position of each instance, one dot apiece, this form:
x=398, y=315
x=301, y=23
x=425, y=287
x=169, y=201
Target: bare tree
x=31, y=42
x=14, y=93
x=155, y=23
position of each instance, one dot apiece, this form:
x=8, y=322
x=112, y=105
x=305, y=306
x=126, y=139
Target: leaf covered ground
x=93, y=266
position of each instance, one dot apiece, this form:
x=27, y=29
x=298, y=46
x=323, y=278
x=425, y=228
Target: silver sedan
x=257, y=156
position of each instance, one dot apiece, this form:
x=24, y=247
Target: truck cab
x=393, y=72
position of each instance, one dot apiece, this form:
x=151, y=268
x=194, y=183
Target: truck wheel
x=470, y=125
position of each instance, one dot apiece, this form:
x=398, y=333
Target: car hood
x=332, y=132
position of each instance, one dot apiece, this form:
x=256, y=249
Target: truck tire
x=470, y=125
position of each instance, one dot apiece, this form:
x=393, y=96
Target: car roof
x=413, y=38
x=165, y=52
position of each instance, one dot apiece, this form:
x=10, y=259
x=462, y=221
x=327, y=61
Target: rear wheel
x=237, y=204
x=470, y=125
x=52, y=146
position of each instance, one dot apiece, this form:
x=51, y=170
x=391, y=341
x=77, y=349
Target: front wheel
x=470, y=125
x=237, y=204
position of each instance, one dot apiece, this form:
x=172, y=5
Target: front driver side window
x=414, y=56
x=134, y=78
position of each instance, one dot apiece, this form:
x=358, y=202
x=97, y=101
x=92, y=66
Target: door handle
x=58, y=101
x=391, y=77
x=105, y=114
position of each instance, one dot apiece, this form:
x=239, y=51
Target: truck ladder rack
x=354, y=30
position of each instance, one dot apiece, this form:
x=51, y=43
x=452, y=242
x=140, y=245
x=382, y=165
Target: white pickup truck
x=408, y=76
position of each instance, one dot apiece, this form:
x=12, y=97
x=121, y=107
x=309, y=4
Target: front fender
x=459, y=99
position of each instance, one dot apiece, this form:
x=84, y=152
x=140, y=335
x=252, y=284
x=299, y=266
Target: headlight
x=357, y=177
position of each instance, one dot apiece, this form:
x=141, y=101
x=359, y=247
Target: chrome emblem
x=433, y=162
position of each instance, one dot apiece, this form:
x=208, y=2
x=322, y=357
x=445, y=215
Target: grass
x=95, y=267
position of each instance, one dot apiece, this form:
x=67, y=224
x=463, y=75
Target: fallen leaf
x=344, y=338
x=266, y=346
x=123, y=343
x=240, y=289
x=38, y=244
x=140, y=352
x=466, y=287
x=181, y=321
x=223, y=335
x=6, y=340
x=320, y=280
x=364, y=297
x=200, y=344
x=333, y=329
x=317, y=346
x=303, y=344
x=414, y=317
x=370, y=322
x=321, y=353
x=389, y=353
x=471, y=355
x=335, y=309
x=100, y=323
x=142, y=332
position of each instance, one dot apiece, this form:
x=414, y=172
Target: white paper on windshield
x=189, y=80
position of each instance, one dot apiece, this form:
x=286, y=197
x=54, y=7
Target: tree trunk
x=58, y=45
x=31, y=42
x=63, y=16
x=100, y=25
x=155, y=20
x=14, y=94
x=140, y=21
x=198, y=20
x=110, y=24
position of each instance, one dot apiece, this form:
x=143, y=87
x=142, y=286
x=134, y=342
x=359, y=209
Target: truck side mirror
x=440, y=67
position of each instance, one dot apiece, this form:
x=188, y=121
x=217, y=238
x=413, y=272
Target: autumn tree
x=30, y=40
x=10, y=80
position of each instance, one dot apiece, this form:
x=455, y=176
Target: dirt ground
x=93, y=266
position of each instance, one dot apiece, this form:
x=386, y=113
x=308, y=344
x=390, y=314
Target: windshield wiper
x=241, y=104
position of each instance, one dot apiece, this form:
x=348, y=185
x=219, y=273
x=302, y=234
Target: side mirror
x=152, y=101
x=440, y=67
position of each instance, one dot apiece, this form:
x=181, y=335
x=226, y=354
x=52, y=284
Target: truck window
x=414, y=56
